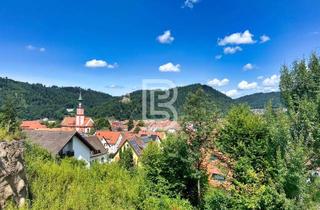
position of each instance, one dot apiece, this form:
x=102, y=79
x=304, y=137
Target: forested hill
x=133, y=108
x=258, y=100
x=38, y=101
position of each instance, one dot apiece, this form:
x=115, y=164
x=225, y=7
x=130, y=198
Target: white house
x=67, y=143
x=110, y=139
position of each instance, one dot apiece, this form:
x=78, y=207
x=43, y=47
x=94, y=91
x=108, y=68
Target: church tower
x=80, y=113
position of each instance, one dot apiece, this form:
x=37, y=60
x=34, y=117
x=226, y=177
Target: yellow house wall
x=126, y=145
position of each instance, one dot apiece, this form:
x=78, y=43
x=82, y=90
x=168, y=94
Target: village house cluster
x=76, y=137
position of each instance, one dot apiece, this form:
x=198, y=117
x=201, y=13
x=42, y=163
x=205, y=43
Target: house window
x=218, y=177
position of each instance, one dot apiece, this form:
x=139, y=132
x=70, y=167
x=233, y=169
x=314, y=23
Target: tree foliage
x=102, y=124
x=130, y=124
x=9, y=122
x=69, y=184
x=126, y=159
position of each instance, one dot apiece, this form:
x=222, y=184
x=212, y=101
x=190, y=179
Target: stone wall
x=13, y=182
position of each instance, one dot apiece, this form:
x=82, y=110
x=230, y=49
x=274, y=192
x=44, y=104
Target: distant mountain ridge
x=38, y=101
x=258, y=100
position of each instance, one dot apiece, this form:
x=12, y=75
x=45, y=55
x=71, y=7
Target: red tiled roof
x=71, y=122
x=68, y=121
x=32, y=125
x=214, y=171
x=57, y=129
x=111, y=136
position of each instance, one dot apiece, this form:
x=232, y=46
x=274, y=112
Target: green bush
x=69, y=184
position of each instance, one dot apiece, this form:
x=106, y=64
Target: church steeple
x=80, y=112
x=80, y=97
x=80, y=100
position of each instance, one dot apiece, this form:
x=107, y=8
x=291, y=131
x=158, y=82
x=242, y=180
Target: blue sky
x=112, y=45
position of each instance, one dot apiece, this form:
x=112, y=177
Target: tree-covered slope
x=133, y=108
x=259, y=100
x=38, y=101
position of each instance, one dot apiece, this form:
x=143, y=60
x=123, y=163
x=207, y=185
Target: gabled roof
x=68, y=121
x=54, y=141
x=96, y=143
x=71, y=122
x=137, y=143
x=111, y=136
x=31, y=125
x=136, y=146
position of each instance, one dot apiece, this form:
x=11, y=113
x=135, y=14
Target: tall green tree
x=126, y=159
x=130, y=124
x=300, y=90
x=199, y=122
x=258, y=149
x=170, y=168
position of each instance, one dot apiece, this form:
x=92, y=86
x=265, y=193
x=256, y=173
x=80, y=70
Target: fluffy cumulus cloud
x=231, y=50
x=272, y=81
x=34, y=48
x=232, y=93
x=166, y=37
x=94, y=63
x=237, y=38
x=244, y=85
x=218, y=83
x=248, y=67
x=264, y=38
x=190, y=3
x=170, y=67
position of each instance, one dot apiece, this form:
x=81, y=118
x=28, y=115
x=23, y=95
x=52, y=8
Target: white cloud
x=190, y=3
x=218, y=57
x=112, y=66
x=94, y=63
x=218, y=83
x=231, y=50
x=232, y=93
x=114, y=87
x=272, y=81
x=248, y=67
x=244, y=85
x=237, y=38
x=30, y=47
x=165, y=38
x=264, y=38
x=260, y=77
x=169, y=67
x=33, y=48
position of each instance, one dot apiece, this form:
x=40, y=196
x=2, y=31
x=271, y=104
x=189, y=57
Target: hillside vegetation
x=38, y=101
x=259, y=100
